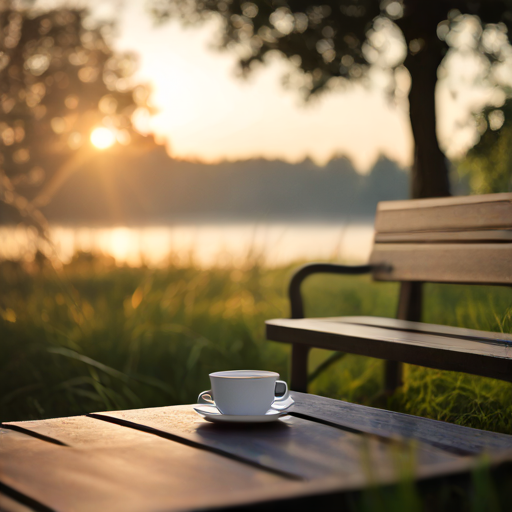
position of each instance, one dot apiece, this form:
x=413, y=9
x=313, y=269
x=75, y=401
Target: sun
x=102, y=138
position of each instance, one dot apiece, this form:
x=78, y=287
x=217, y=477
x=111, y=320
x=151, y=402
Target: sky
x=207, y=113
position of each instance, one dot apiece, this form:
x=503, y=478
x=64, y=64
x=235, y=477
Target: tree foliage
x=343, y=38
x=488, y=165
x=59, y=80
x=337, y=41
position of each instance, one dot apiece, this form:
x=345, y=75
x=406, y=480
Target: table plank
x=388, y=424
x=125, y=469
x=132, y=470
x=114, y=474
x=91, y=432
x=292, y=445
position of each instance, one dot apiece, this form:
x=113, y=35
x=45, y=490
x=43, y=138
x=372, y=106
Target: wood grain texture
x=388, y=424
x=421, y=327
x=115, y=468
x=85, y=479
x=450, y=263
x=110, y=467
x=434, y=351
x=432, y=202
x=440, y=214
x=88, y=431
x=293, y=445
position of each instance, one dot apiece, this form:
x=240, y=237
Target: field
x=93, y=336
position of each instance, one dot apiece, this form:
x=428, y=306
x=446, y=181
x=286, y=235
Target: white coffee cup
x=243, y=392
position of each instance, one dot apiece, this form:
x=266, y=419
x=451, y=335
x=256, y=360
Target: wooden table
x=168, y=458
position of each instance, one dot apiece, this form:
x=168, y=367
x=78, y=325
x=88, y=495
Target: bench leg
x=410, y=302
x=393, y=371
x=409, y=308
x=299, y=380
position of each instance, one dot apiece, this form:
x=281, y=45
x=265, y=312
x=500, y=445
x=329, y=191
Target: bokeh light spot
x=102, y=138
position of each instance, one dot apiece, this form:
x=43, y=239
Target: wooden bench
x=444, y=240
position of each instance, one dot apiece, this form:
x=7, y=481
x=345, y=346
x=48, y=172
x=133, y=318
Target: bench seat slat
x=425, y=349
x=443, y=330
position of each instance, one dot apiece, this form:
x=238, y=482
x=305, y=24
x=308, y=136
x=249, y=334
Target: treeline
x=152, y=188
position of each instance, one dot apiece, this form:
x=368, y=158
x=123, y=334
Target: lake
x=206, y=244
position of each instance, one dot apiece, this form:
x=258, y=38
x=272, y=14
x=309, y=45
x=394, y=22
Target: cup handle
x=286, y=392
x=205, y=397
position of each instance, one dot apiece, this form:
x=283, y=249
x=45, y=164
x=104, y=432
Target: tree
x=59, y=82
x=488, y=165
x=345, y=39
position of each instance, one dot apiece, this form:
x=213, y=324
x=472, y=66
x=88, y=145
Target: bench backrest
x=454, y=239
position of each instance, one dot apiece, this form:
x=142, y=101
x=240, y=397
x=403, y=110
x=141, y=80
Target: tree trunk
x=430, y=170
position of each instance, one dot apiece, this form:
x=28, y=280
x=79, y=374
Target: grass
x=92, y=336
x=484, y=490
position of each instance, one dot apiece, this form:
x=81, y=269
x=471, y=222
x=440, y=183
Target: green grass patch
x=92, y=336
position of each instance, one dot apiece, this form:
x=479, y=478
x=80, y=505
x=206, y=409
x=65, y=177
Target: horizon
x=307, y=159
x=151, y=188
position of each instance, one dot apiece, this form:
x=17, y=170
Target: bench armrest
x=297, y=305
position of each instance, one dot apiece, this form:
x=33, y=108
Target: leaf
x=90, y=362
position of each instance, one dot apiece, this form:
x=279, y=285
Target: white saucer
x=211, y=413
x=283, y=405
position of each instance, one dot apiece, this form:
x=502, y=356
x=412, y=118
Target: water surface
x=207, y=244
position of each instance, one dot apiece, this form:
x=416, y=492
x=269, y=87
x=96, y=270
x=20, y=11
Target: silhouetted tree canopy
x=488, y=165
x=59, y=80
x=344, y=39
